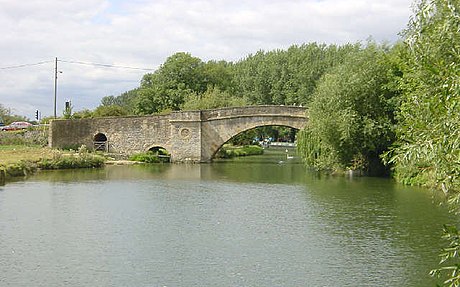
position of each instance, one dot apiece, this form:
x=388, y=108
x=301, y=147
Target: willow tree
x=351, y=114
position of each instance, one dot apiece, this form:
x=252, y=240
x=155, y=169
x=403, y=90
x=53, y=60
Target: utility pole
x=55, y=86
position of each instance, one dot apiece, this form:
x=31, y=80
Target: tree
x=286, y=77
x=83, y=114
x=351, y=115
x=211, y=99
x=167, y=88
x=126, y=100
x=218, y=74
x=109, y=111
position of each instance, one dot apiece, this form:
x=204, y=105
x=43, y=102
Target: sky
x=134, y=37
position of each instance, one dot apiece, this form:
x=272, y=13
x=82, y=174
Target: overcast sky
x=143, y=33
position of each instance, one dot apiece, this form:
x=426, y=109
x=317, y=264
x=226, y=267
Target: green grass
x=149, y=157
x=19, y=160
x=15, y=153
x=229, y=151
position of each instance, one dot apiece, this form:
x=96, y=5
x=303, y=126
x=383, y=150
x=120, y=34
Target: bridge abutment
x=185, y=136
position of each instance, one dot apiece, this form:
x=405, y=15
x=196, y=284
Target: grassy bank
x=229, y=151
x=149, y=157
x=17, y=161
x=15, y=153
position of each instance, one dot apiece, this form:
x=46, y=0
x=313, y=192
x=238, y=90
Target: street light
x=55, y=85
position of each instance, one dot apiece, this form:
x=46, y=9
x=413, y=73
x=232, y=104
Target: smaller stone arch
x=100, y=142
x=161, y=152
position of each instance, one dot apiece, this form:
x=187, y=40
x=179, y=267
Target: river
x=256, y=221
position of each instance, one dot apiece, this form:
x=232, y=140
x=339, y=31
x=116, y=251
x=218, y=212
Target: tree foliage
x=428, y=147
x=126, y=100
x=351, y=112
x=212, y=98
x=180, y=76
x=109, y=111
x=427, y=150
x=82, y=114
x=282, y=77
x=286, y=76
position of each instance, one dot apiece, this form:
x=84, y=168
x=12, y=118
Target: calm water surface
x=247, y=222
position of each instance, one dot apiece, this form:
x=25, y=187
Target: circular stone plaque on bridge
x=184, y=133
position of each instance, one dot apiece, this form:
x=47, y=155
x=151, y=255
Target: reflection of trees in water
x=369, y=223
x=380, y=222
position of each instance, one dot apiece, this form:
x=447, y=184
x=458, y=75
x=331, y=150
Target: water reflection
x=246, y=222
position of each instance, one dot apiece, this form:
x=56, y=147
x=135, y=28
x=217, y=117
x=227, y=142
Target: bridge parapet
x=185, y=116
x=252, y=111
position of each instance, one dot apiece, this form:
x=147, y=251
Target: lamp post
x=55, y=85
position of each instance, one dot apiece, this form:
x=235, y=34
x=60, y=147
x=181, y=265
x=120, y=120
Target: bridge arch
x=218, y=130
x=161, y=152
x=214, y=152
x=156, y=148
x=100, y=142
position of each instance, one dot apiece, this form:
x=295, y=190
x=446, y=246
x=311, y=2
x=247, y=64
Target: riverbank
x=20, y=161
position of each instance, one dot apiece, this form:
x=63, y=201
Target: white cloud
x=143, y=33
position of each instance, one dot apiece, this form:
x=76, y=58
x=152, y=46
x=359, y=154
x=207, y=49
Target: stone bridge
x=188, y=135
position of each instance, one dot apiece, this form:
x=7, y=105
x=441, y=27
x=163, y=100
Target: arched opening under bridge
x=160, y=152
x=100, y=142
x=254, y=140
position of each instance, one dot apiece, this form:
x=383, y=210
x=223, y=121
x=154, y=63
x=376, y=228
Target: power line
x=105, y=65
x=25, y=65
x=78, y=63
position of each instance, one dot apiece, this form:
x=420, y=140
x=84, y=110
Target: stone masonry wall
x=125, y=135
